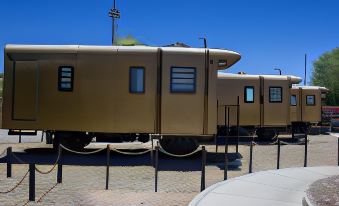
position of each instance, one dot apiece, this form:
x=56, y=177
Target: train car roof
x=323, y=89
x=16, y=51
x=294, y=79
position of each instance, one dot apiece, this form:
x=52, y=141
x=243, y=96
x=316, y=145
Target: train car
x=264, y=102
x=306, y=106
x=77, y=92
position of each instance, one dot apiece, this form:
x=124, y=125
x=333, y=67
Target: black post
x=9, y=162
x=216, y=143
x=225, y=120
x=226, y=159
x=59, y=174
x=228, y=121
x=251, y=157
x=19, y=136
x=42, y=136
x=31, y=182
x=305, y=160
x=108, y=153
x=156, y=168
x=152, y=160
x=203, y=164
x=278, y=158
x=238, y=120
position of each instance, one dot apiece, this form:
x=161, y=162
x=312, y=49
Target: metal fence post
x=59, y=174
x=9, y=162
x=226, y=158
x=278, y=158
x=203, y=172
x=305, y=160
x=152, y=144
x=108, y=153
x=251, y=157
x=238, y=120
x=156, y=168
x=19, y=136
x=31, y=182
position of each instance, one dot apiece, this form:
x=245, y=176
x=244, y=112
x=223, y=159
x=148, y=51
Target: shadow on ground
x=166, y=163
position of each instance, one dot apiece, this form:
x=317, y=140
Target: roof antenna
x=205, y=41
x=114, y=14
x=278, y=70
x=305, y=70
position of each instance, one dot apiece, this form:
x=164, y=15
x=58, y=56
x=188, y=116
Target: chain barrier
x=17, y=185
x=46, y=193
x=3, y=152
x=175, y=155
x=52, y=168
x=82, y=153
x=131, y=153
x=18, y=159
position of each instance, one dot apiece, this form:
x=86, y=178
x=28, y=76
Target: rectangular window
x=275, y=94
x=183, y=79
x=65, y=78
x=249, y=94
x=137, y=80
x=310, y=100
x=294, y=100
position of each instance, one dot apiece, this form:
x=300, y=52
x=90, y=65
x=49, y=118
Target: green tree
x=326, y=73
x=129, y=40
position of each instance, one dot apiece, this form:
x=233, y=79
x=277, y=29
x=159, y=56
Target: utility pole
x=114, y=14
x=305, y=70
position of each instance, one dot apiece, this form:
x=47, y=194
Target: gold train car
x=77, y=92
x=306, y=106
x=264, y=102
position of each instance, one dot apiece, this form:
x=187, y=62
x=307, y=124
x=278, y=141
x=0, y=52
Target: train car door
x=25, y=84
x=182, y=96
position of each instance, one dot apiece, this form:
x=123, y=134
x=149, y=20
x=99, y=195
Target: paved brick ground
x=134, y=185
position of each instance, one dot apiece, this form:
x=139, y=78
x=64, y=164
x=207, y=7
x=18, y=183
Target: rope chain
x=131, y=153
x=83, y=153
x=52, y=168
x=175, y=155
x=46, y=193
x=17, y=185
x=18, y=159
x=3, y=152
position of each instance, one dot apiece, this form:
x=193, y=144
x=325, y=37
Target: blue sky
x=268, y=33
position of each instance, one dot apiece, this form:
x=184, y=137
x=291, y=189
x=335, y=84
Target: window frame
x=245, y=94
x=314, y=103
x=194, y=80
x=60, y=77
x=269, y=94
x=296, y=100
x=130, y=80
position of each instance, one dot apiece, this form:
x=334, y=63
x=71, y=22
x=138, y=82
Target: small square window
x=137, y=80
x=294, y=100
x=310, y=100
x=65, y=78
x=275, y=94
x=183, y=79
x=249, y=94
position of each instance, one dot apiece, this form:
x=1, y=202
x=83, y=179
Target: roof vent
x=178, y=44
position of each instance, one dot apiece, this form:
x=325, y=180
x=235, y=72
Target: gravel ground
x=324, y=192
x=133, y=186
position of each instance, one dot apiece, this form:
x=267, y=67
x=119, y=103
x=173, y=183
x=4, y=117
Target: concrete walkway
x=273, y=187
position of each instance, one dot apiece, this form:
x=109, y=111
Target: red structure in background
x=330, y=112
